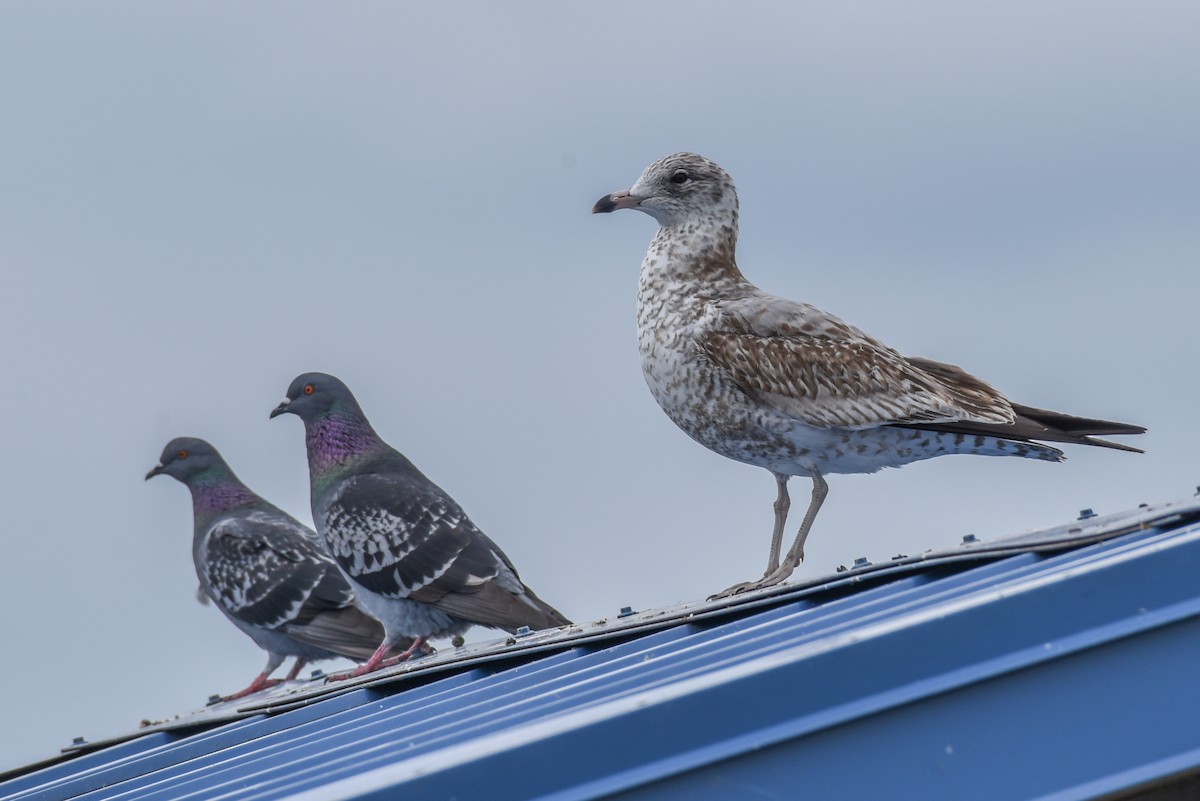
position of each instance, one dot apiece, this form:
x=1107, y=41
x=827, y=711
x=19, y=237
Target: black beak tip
x=604, y=205
x=278, y=410
x=154, y=471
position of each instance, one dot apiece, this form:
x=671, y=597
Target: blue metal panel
x=74, y=770
x=818, y=689
x=1025, y=675
x=1066, y=729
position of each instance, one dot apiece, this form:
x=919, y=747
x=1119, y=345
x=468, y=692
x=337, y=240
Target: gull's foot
x=776, y=576
x=736, y=589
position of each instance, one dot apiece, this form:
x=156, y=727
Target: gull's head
x=677, y=189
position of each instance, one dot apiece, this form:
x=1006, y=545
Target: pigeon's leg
x=374, y=663
x=296, y=668
x=417, y=645
x=795, y=554
x=261, y=681
x=782, y=504
x=378, y=661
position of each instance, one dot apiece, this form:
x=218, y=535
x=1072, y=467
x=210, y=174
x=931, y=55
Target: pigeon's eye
x=680, y=177
x=182, y=455
x=308, y=389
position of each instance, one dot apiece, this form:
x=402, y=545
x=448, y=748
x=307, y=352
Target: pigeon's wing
x=266, y=569
x=824, y=372
x=504, y=601
x=263, y=574
x=346, y=631
x=399, y=535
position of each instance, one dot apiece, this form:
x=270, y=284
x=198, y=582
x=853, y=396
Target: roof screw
x=214, y=699
x=1198, y=489
x=78, y=741
x=1143, y=506
x=524, y=631
x=1086, y=514
x=316, y=674
x=842, y=568
x=861, y=562
x=626, y=611
x=900, y=556
x=969, y=538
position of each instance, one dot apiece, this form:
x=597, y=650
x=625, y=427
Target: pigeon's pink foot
x=296, y=668
x=378, y=661
x=261, y=682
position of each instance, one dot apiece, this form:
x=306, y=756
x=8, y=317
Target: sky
x=200, y=201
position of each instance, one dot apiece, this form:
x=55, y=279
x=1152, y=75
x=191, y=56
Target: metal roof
x=1057, y=665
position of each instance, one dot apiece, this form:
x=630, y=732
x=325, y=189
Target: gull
x=786, y=386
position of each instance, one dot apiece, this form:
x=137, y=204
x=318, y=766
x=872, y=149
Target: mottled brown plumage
x=833, y=375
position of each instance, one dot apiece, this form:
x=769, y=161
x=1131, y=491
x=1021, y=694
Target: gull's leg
x=795, y=554
x=782, y=504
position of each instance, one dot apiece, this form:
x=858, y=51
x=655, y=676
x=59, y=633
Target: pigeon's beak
x=155, y=471
x=282, y=408
x=617, y=200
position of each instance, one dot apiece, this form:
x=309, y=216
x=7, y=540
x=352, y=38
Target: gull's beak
x=617, y=200
x=282, y=408
x=155, y=471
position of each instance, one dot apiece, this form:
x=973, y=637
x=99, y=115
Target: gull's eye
x=680, y=177
x=181, y=455
x=309, y=389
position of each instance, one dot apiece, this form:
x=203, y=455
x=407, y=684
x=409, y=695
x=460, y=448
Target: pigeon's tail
x=345, y=631
x=502, y=607
x=546, y=616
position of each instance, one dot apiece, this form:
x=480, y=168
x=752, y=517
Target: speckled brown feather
x=826, y=373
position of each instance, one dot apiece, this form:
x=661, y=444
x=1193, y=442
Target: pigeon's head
x=315, y=395
x=679, y=188
x=186, y=458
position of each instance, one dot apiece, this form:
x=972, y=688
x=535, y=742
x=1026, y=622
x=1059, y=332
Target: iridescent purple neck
x=210, y=497
x=338, y=440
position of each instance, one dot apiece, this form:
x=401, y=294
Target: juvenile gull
x=265, y=570
x=416, y=561
x=785, y=386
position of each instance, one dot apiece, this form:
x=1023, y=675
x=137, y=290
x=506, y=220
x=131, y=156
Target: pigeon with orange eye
x=265, y=571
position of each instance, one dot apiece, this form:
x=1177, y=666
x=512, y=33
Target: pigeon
x=264, y=570
x=786, y=386
x=416, y=561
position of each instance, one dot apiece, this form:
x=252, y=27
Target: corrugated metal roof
x=1054, y=665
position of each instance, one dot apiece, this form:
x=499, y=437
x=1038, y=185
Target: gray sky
x=198, y=202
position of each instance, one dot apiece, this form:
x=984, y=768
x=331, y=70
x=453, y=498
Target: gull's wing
x=826, y=373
